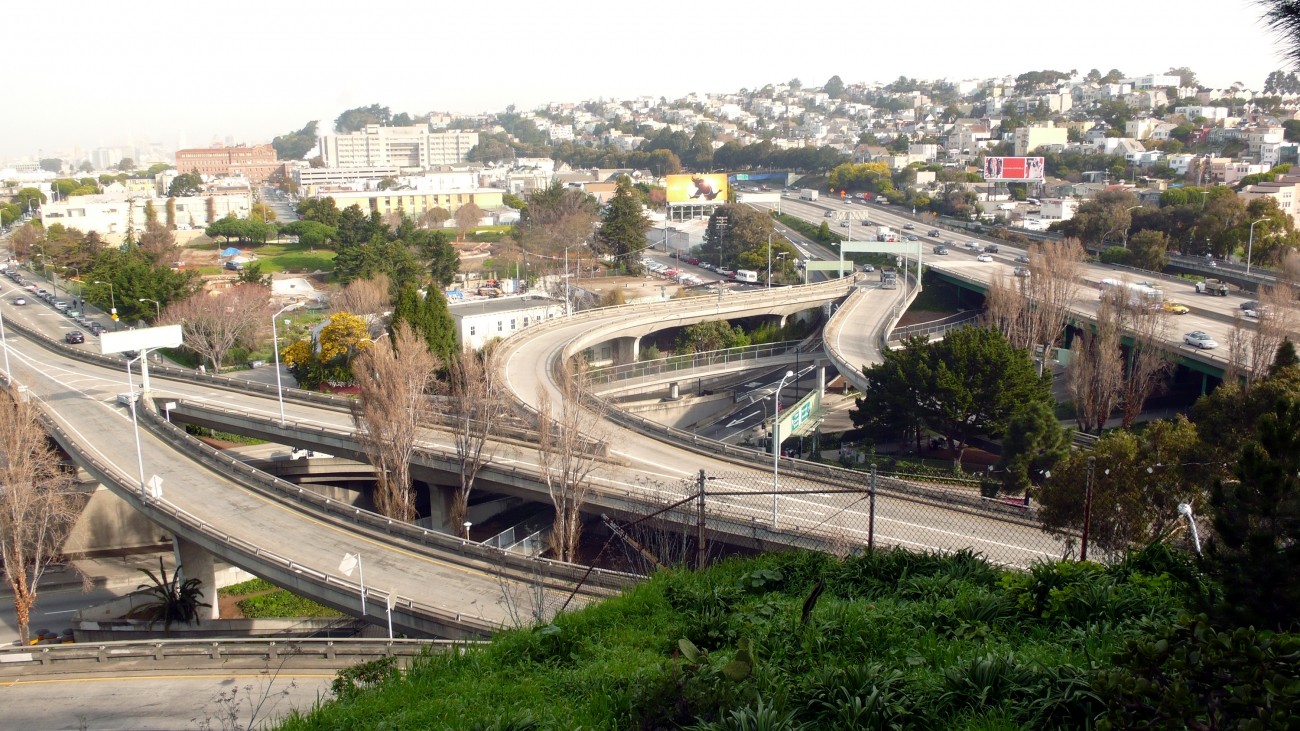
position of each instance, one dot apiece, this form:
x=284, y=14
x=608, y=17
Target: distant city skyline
x=248, y=71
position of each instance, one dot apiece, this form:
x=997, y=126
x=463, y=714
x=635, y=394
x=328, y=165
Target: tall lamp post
x=275, y=346
x=1250, y=245
x=157, y=308
x=9, y=377
x=132, y=397
x=776, y=441
x=112, y=298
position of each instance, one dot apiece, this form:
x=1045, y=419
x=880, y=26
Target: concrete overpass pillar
x=627, y=350
x=821, y=378
x=195, y=562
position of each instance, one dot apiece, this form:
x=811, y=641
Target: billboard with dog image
x=696, y=188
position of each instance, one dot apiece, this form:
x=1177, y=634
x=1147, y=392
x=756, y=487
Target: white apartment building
x=1029, y=139
x=311, y=180
x=408, y=148
x=481, y=321
x=1214, y=114
x=113, y=215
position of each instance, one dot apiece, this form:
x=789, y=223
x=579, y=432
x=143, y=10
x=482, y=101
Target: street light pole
x=275, y=346
x=776, y=442
x=9, y=375
x=1250, y=245
x=135, y=422
x=769, y=260
x=157, y=308
x=112, y=298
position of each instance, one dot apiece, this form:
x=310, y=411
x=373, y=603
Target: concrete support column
x=194, y=562
x=821, y=378
x=627, y=350
x=674, y=391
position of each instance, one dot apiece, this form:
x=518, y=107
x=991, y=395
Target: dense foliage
x=801, y=641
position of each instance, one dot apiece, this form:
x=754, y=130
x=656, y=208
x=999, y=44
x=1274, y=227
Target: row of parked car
x=63, y=306
x=663, y=270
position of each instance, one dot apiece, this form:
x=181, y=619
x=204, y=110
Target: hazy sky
x=108, y=74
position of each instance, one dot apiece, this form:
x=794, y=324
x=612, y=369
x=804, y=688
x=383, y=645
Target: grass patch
x=890, y=640
x=281, y=604
x=203, y=431
x=244, y=588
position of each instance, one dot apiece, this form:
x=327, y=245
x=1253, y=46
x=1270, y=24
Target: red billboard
x=1013, y=168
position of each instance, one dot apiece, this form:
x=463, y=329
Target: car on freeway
x=844, y=224
x=984, y=257
x=20, y=301
x=949, y=242
x=908, y=227
x=96, y=328
x=974, y=245
x=1258, y=311
x=991, y=249
x=125, y=399
x=76, y=337
x=829, y=214
x=1250, y=305
x=868, y=268
x=1022, y=259
x=1020, y=271
x=1200, y=339
x=1175, y=308
x=941, y=250
x=932, y=232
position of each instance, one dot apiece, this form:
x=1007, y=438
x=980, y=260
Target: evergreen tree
x=1034, y=443
x=623, y=227
x=439, y=327
x=1257, y=525
x=1284, y=358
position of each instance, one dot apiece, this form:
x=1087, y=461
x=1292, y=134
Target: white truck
x=885, y=233
x=1137, y=294
x=808, y=194
x=746, y=275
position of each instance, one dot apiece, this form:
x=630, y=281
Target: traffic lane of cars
x=62, y=307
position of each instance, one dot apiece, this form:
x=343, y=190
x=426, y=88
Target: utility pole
x=699, y=527
x=1087, y=510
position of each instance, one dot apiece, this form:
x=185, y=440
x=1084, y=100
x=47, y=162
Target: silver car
x=1200, y=340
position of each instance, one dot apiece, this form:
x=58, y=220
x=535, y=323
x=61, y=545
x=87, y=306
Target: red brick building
x=258, y=163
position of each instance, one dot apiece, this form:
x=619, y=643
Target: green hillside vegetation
x=808, y=641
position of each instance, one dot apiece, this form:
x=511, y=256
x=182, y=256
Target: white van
x=746, y=275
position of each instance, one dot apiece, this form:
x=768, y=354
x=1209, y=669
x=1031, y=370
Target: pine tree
x=623, y=227
x=1257, y=524
x=439, y=327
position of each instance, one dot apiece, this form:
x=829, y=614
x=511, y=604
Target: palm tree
x=1283, y=18
x=173, y=600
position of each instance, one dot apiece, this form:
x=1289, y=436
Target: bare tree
x=394, y=377
x=37, y=505
x=1033, y=311
x=570, y=441
x=1148, y=361
x=1097, y=371
x=1238, y=347
x=364, y=296
x=434, y=218
x=467, y=217
x=212, y=323
x=1277, y=317
x=476, y=406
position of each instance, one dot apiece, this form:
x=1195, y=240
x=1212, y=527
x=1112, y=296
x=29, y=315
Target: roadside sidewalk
x=118, y=572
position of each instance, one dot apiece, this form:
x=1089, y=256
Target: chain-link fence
x=697, y=520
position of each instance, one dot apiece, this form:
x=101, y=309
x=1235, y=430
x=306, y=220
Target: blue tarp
x=232, y=251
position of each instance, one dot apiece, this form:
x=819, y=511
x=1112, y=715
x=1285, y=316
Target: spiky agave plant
x=172, y=599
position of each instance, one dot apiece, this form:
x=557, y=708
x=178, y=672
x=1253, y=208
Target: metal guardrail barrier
x=112, y=656
x=942, y=325
x=675, y=363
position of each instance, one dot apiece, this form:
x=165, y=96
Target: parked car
x=76, y=337
x=60, y=305
x=984, y=257
x=1175, y=308
x=1200, y=340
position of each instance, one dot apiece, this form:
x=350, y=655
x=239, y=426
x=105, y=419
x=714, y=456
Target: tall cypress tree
x=439, y=327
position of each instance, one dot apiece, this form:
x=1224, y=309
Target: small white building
x=481, y=320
